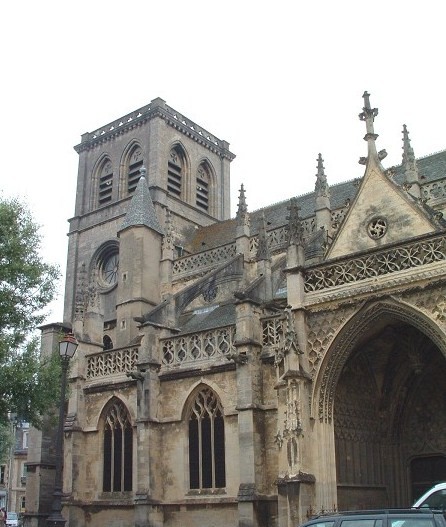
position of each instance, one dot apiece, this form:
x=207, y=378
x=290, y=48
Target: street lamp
x=67, y=348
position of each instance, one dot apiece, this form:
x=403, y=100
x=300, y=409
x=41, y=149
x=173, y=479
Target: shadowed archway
x=388, y=405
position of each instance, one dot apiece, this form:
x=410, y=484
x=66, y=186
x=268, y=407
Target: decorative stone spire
x=168, y=244
x=262, y=249
x=368, y=115
x=141, y=210
x=242, y=215
x=322, y=191
x=80, y=294
x=92, y=291
x=295, y=227
x=410, y=165
x=321, y=187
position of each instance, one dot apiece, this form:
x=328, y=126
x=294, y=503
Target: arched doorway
x=389, y=415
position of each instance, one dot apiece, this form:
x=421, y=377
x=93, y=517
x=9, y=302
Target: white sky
x=280, y=81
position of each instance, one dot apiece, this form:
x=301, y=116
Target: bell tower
x=187, y=177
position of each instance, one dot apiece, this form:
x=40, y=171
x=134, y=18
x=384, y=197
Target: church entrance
x=390, y=418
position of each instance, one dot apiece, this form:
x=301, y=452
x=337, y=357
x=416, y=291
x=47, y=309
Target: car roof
x=372, y=513
x=421, y=499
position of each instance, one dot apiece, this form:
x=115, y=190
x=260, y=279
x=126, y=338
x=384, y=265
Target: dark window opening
x=107, y=343
x=206, y=443
x=118, y=450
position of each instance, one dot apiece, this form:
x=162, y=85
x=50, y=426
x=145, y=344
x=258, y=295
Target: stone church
x=246, y=371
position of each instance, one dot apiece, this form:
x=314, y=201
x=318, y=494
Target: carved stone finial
x=290, y=341
x=92, y=291
x=295, y=227
x=368, y=115
x=80, y=293
x=143, y=171
x=409, y=162
x=321, y=186
x=167, y=242
x=263, y=249
x=242, y=215
x=408, y=153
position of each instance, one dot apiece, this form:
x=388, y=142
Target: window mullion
x=200, y=454
x=212, y=451
x=112, y=458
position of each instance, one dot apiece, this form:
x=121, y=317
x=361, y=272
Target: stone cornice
x=157, y=108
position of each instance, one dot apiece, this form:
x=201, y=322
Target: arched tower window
x=135, y=163
x=105, y=182
x=203, y=184
x=107, y=343
x=176, y=167
x=206, y=442
x=118, y=449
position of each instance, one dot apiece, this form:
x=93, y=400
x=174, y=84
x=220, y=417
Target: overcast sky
x=280, y=81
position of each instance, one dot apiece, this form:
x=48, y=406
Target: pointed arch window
x=118, y=449
x=206, y=442
x=107, y=343
x=135, y=164
x=105, y=182
x=202, y=187
x=175, y=171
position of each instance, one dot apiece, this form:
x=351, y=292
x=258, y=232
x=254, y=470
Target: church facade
x=247, y=371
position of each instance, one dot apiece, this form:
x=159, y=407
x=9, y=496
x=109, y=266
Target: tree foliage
x=6, y=439
x=28, y=384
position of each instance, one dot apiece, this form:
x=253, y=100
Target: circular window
x=377, y=228
x=108, y=265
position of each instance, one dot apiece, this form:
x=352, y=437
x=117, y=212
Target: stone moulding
x=157, y=108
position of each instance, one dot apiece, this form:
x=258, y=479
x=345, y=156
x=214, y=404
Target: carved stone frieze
x=374, y=287
x=322, y=328
x=377, y=264
x=431, y=301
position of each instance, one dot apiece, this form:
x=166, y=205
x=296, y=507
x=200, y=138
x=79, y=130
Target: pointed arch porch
x=378, y=398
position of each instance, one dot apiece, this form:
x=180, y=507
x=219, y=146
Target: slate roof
x=141, y=210
x=430, y=168
x=202, y=320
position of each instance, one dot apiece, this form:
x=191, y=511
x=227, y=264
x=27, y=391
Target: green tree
x=28, y=384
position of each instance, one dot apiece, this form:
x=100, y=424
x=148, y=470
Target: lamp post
x=67, y=348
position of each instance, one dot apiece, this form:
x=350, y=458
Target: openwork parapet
x=435, y=190
x=111, y=362
x=204, y=260
x=195, y=347
x=376, y=264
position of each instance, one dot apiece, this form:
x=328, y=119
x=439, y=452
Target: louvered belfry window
x=175, y=169
x=118, y=449
x=202, y=196
x=105, y=183
x=206, y=442
x=134, y=174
